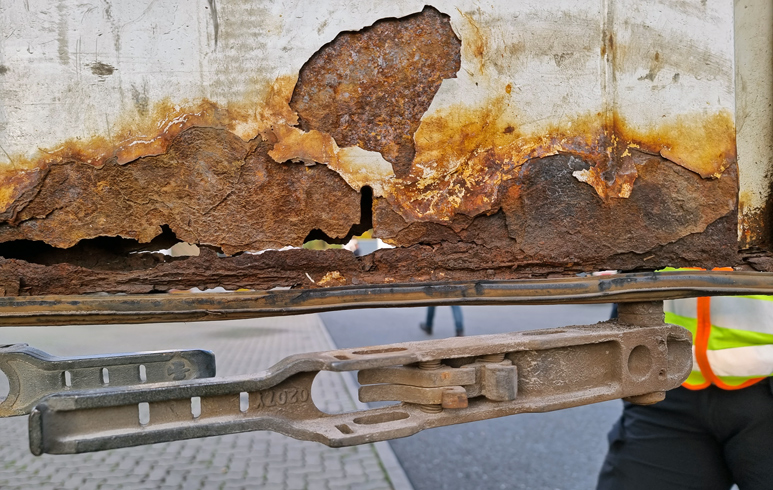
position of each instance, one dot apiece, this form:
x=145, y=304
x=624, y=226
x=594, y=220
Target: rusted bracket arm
x=543, y=371
x=33, y=374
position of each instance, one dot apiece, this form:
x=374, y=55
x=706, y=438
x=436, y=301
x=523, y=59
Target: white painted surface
x=551, y=53
x=754, y=99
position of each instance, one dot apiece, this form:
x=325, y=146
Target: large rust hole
x=365, y=224
x=101, y=253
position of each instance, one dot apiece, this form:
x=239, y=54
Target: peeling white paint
x=646, y=61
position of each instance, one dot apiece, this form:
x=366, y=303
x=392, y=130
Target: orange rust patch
x=357, y=166
x=755, y=223
x=704, y=144
x=333, y=278
x=298, y=146
x=464, y=154
x=14, y=183
x=621, y=187
x=137, y=137
x=371, y=88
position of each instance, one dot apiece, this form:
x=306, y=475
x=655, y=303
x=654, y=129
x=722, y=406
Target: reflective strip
x=742, y=313
x=763, y=298
x=683, y=307
x=695, y=381
x=752, y=361
x=728, y=338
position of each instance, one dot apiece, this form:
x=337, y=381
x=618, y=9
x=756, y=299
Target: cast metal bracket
x=472, y=378
x=33, y=374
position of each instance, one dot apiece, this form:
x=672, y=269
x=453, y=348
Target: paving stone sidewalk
x=254, y=460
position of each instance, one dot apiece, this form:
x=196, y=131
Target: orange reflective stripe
x=702, y=334
x=701, y=342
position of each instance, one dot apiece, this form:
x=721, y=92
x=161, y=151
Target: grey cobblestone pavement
x=252, y=460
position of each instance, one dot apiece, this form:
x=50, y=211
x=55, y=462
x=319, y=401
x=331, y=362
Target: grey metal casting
x=466, y=379
x=33, y=374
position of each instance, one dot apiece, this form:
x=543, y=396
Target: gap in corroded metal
x=101, y=253
x=365, y=224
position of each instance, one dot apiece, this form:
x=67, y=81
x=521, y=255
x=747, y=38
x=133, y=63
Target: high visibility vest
x=732, y=339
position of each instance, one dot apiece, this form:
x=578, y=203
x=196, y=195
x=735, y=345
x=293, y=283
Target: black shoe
x=426, y=328
x=460, y=333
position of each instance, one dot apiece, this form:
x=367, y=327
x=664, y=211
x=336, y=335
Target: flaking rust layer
x=464, y=189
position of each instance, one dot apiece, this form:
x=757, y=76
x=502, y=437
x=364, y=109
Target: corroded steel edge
x=67, y=310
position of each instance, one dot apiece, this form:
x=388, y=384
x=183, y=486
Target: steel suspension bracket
x=33, y=374
x=441, y=382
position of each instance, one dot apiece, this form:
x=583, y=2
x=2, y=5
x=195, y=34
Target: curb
x=392, y=467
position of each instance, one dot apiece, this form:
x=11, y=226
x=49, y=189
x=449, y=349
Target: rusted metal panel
x=517, y=139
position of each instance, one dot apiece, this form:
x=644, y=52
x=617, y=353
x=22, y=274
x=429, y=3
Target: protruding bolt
x=430, y=408
x=641, y=313
x=492, y=358
x=430, y=365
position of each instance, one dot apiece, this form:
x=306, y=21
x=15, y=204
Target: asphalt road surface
x=560, y=450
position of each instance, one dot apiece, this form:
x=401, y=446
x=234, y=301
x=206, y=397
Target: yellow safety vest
x=732, y=339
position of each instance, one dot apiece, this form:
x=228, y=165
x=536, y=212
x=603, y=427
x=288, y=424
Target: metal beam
x=102, y=309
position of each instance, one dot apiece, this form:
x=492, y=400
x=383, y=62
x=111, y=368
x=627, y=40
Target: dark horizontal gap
x=101, y=253
x=365, y=224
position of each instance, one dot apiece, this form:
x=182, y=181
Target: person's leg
x=744, y=419
x=665, y=446
x=458, y=321
x=427, y=325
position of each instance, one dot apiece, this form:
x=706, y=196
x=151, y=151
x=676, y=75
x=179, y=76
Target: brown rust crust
x=466, y=157
x=445, y=261
x=210, y=188
x=477, y=193
x=552, y=217
x=148, y=133
x=757, y=224
x=371, y=88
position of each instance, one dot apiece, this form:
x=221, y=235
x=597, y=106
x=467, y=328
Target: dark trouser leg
x=666, y=446
x=458, y=321
x=745, y=421
x=430, y=316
